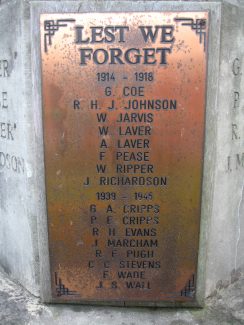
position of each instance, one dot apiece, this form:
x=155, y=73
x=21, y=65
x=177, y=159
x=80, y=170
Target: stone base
x=18, y=306
x=24, y=250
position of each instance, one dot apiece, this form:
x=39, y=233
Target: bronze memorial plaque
x=123, y=116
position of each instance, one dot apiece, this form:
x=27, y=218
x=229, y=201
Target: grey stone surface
x=22, y=203
x=18, y=194
x=17, y=306
x=226, y=227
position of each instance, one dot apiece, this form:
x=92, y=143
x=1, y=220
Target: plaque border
x=214, y=9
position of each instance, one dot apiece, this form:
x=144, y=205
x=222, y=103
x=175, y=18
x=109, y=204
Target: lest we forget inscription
x=123, y=117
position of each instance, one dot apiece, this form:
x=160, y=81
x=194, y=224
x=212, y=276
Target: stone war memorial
x=122, y=149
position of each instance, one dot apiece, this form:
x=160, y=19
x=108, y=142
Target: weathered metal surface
x=123, y=115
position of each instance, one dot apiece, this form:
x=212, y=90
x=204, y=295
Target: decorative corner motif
x=189, y=289
x=199, y=26
x=51, y=27
x=61, y=290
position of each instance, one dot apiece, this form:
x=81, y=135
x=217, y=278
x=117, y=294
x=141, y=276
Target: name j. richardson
x=133, y=181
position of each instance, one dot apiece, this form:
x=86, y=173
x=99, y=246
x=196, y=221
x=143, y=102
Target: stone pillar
x=225, y=236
